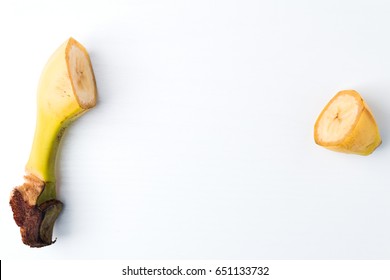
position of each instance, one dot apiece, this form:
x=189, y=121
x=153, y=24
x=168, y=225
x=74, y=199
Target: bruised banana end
x=347, y=125
x=66, y=90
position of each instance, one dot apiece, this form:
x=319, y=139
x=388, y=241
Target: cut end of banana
x=338, y=118
x=347, y=125
x=81, y=74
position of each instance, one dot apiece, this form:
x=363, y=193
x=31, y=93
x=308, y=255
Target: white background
x=201, y=144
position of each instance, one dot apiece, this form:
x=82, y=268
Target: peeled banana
x=347, y=125
x=66, y=90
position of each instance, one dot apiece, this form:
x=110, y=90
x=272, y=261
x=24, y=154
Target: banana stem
x=48, y=133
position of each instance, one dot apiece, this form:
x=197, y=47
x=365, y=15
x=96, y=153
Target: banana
x=347, y=125
x=66, y=90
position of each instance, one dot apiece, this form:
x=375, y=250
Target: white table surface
x=201, y=145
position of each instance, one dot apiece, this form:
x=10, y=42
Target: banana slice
x=347, y=125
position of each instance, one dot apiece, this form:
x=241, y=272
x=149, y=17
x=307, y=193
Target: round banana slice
x=347, y=125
